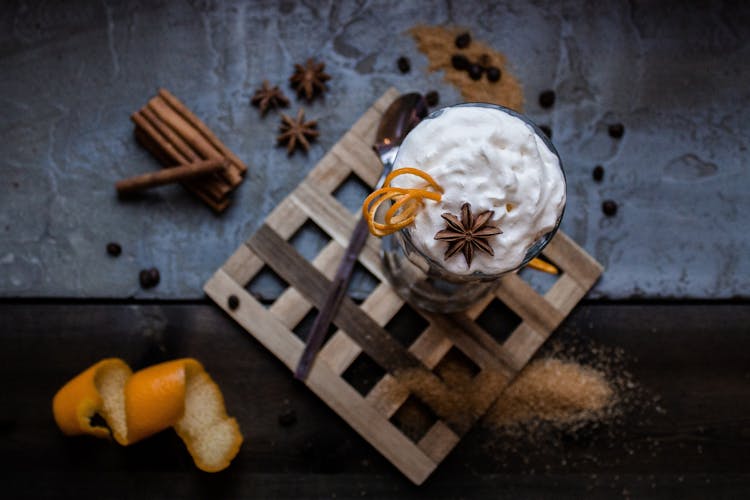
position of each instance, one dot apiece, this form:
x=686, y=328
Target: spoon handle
x=339, y=285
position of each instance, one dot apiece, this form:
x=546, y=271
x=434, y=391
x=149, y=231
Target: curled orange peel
x=178, y=394
x=407, y=202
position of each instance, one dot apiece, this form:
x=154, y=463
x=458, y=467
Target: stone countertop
x=70, y=76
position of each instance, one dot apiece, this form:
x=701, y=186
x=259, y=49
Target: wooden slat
x=573, y=260
x=366, y=127
x=529, y=305
x=291, y=307
x=522, y=344
x=340, y=351
x=286, y=218
x=565, y=294
x=438, y=441
x=329, y=173
x=360, y=158
x=431, y=346
x=387, y=396
x=473, y=341
x=242, y=265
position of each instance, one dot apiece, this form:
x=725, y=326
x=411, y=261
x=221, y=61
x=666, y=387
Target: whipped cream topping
x=494, y=161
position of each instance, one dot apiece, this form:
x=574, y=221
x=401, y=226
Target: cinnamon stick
x=215, y=183
x=190, y=135
x=170, y=175
x=169, y=156
x=198, y=189
x=202, y=128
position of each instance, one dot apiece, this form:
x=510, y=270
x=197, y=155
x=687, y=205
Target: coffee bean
x=547, y=131
x=609, y=208
x=547, y=99
x=463, y=40
x=432, y=98
x=616, y=130
x=149, y=278
x=598, y=173
x=145, y=278
x=114, y=249
x=233, y=302
x=288, y=418
x=475, y=72
x=403, y=64
x=493, y=73
x=459, y=62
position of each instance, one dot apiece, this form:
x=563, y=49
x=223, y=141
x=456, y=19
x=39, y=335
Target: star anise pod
x=297, y=132
x=269, y=97
x=309, y=80
x=469, y=234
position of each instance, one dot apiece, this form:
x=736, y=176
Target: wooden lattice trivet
x=361, y=327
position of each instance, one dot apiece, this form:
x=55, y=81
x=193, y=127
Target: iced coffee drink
x=502, y=195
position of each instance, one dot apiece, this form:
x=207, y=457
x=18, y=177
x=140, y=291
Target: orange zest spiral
x=407, y=202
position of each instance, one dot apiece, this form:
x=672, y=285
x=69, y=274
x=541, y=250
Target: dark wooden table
x=692, y=440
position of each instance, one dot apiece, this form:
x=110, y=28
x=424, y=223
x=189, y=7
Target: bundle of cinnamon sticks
x=176, y=137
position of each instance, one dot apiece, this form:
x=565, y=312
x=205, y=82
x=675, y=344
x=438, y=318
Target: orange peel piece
x=178, y=394
x=413, y=171
x=407, y=202
x=97, y=390
x=543, y=266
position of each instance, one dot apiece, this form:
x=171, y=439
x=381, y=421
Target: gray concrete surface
x=676, y=74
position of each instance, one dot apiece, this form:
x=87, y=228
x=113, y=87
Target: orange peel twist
x=178, y=394
x=407, y=202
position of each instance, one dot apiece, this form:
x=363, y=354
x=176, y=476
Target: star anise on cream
x=469, y=234
x=309, y=80
x=297, y=133
x=269, y=97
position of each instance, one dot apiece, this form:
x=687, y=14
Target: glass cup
x=425, y=282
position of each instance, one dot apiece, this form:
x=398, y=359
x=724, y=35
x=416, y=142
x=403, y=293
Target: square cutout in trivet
x=408, y=382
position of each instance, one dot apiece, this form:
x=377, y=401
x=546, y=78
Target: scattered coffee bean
x=609, y=208
x=114, y=249
x=493, y=73
x=547, y=131
x=547, y=99
x=145, y=278
x=484, y=60
x=463, y=40
x=149, y=278
x=598, y=173
x=475, y=72
x=616, y=130
x=403, y=64
x=432, y=98
x=288, y=418
x=459, y=62
x=233, y=302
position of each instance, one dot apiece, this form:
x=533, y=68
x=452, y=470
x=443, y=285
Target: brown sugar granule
x=553, y=390
x=438, y=44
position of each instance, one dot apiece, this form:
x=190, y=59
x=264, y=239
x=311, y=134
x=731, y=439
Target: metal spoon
x=400, y=117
